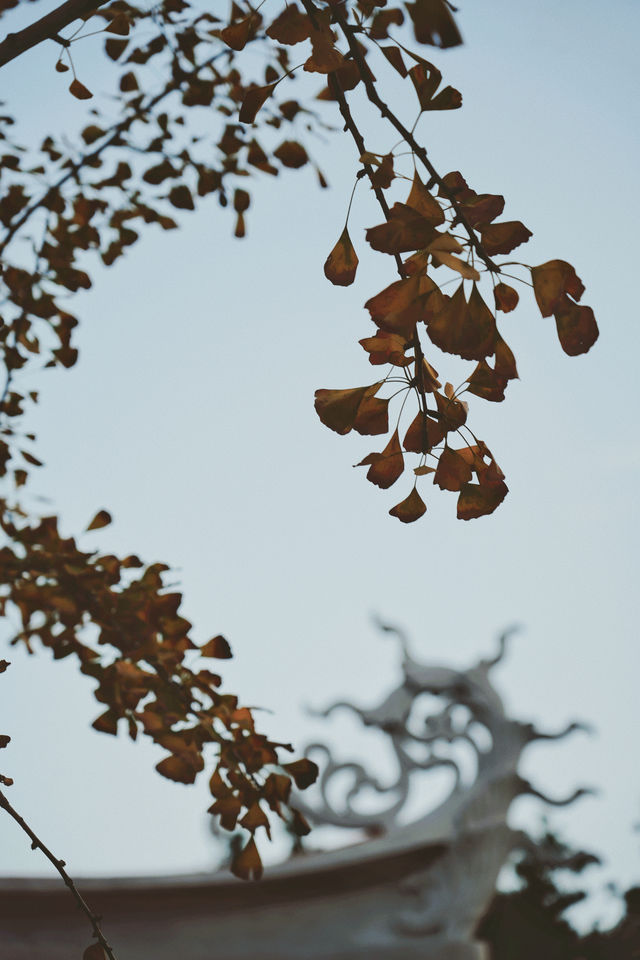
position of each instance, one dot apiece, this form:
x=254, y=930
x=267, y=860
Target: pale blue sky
x=190, y=417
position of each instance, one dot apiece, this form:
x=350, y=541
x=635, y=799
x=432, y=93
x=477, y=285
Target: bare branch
x=37, y=844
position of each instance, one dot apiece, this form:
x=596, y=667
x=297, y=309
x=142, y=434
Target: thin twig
x=37, y=844
x=46, y=28
x=407, y=135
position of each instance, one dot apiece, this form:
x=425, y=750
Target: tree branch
x=407, y=135
x=37, y=844
x=46, y=28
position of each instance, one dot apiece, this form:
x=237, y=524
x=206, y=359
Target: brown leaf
x=227, y=809
x=505, y=361
x=299, y=824
x=180, y=197
x=576, y=326
x=423, y=434
x=393, y=55
x=503, y=237
x=292, y=154
x=303, y=771
x=106, y=723
x=61, y=67
x=386, y=467
x=338, y=409
x=180, y=768
x=218, y=648
x=386, y=347
x=247, y=864
x=551, y=281
x=466, y=329
x=4, y=741
x=290, y=27
x=427, y=206
x=254, y=98
x=506, y=297
x=433, y=23
x=119, y=25
x=479, y=499
x=483, y=208
x=4, y=664
x=405, y=230
x=255, y=817
x=400, y=306
x=410, y=509
x=325, y=58
x=487, y=383
x=342, y=263
x=426, y=78
x=453, y=470
x=101, y=519
x=237, y=35
x=453, y=413
x=79, y=90
x=372, y=417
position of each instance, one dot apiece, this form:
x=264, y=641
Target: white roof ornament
x=412, y=890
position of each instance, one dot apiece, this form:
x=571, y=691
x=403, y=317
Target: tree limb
x=46, y=28
x=37, y=844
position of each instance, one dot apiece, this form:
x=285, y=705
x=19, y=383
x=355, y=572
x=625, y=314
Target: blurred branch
x=37, y=844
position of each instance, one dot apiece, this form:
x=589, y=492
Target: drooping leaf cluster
x=219, y=117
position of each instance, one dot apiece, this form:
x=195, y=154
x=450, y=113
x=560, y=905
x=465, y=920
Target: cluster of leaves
x=71, y=206
x=62, y=209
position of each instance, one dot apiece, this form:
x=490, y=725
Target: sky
x=190, y=417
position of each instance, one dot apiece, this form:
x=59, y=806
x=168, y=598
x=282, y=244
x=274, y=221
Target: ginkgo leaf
x=452, y=471
x=247, y=864
x=291, y=26
x=61, y=67
x=179, y=768
x=423, y=434
x=101, y=519
x=372, y=417
x=393, y=55
x=487, y=383
x=423, y=471
x=576, y=326
x=503, y=237
x=303, y=771
x=4, y=664
x=433, y=23
x=505, y=364
x=483, y=208
x=465, y=329
x=386, y=347
x=237, y=35
x=342, y=263
x=551, y=281
x=299, y=824
x=79, y=90
x=218, y=648
x=405, y=230
x=119, y=25
x=410, y=509
x=291, y=154
x=479, y=500
x=506, y=298
x=338, y=409
x=387, y=466
x=227, y=809
x=424, y=203
x=181, y=198
x=254, y=98
x=255, y=817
